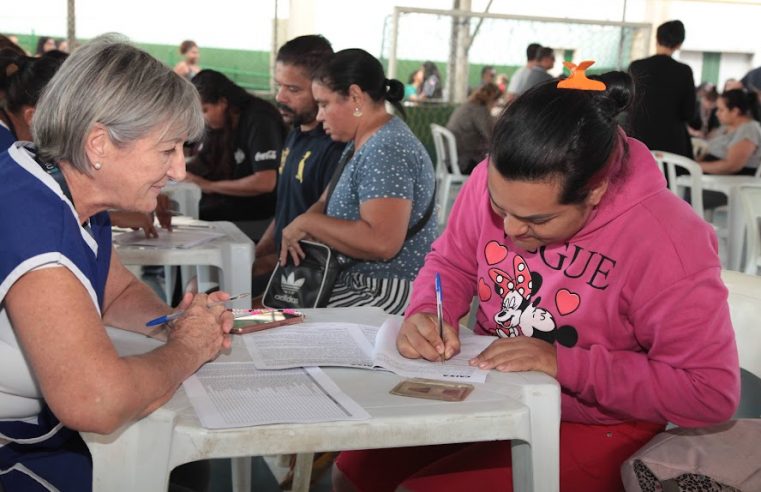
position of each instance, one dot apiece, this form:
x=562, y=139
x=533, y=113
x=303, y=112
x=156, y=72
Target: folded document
x=361, y=346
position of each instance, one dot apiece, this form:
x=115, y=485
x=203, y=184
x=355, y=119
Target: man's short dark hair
x=670, y=34
x=532, y=51
x=308, y=52
x=545, y=52
x=486, y=69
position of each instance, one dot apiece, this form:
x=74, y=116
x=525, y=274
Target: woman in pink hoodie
x=588, y=269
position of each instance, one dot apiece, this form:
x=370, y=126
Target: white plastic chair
x=697, y=450
x=669, y=162
x=449, y=178
x=750, y=198
x=185, y=198
x=744, y=299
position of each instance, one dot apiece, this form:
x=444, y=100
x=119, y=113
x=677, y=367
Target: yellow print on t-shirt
x=302, y=162
x=283, y=158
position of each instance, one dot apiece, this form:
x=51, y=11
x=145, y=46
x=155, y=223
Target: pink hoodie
x=634, y=300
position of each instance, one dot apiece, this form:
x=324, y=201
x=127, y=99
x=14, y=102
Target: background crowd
x=330, y=159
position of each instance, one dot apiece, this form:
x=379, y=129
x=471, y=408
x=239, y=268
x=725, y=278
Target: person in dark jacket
x=665, y=95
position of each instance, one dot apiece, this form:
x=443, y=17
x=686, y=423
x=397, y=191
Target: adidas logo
x=290, y=284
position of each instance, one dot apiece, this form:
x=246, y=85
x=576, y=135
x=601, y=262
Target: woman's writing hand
x=419, y=337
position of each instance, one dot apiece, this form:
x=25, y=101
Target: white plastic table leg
x=140, y=453
x=536, y=464
x=241, y=474
x=302, y=472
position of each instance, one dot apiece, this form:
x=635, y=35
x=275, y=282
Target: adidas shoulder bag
x=308, y=285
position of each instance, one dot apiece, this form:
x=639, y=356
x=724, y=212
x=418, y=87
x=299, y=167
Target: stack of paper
x=229, y=394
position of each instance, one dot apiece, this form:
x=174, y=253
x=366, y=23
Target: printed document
x=236, y=394
x=187, y=238
x=351, y=345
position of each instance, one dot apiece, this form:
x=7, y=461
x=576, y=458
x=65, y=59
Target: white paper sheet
x=350, y=345
x=186, y=238
x=312, y=344
x=226, y=395
x=454, y=369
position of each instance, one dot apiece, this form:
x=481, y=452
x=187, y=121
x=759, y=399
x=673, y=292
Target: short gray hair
x=112, y=83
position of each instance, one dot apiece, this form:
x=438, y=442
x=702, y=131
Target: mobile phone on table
x=251, y=320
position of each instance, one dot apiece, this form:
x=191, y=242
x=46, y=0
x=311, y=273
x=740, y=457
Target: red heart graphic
x=567, y=301
x=495, y=252
x=484, y=292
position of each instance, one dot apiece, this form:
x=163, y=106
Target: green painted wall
x=710, y=70
x=250, y=69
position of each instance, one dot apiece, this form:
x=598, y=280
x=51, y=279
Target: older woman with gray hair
x=108, y=134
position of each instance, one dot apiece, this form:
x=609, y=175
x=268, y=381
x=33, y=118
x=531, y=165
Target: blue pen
x=171, y=317
x=440, y=310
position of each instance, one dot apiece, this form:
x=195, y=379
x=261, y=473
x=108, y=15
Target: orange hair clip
x=578, y=78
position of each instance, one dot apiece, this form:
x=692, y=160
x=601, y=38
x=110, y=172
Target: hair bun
x=619, y=91
x=394, y=90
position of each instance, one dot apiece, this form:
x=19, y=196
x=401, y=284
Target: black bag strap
x=424, y=219
x=345, y=158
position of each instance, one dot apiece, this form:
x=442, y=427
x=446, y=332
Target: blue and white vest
x=39, y=227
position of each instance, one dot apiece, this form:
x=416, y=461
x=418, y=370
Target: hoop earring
x=97, y=166
x=357, y=112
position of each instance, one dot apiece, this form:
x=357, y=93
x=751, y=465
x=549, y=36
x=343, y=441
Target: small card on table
x=432, y=390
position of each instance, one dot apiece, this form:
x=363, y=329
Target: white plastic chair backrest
x=670, y=162
x=750, y=198
x=744, y=299
x=446, y=151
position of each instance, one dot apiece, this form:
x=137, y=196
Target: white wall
x=694, y=59
x=733, y=66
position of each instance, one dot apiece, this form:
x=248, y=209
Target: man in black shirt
x=664, y=95
x=309, y=156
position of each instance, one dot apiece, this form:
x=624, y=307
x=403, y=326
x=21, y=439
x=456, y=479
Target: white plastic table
x=524, y=407
x=233, y=254
x=728, y=184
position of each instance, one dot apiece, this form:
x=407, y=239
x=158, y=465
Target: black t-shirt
x=307, y=163
x=257, y=142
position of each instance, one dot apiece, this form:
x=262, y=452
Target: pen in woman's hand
x=171, y=317
x=440, y=313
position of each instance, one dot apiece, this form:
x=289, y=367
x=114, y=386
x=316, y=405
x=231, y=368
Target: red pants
x=590, y=460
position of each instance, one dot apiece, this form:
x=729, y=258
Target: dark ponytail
x=213, y=86
x=357, y=66
x=23, y=79
x=570, y=134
